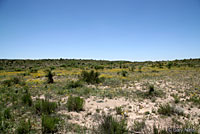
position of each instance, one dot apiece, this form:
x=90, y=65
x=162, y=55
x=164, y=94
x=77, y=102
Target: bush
x=138, y=125
x=151, y=89
x=11, y=81
x=73, y=84
x=75, y=104
x=99, y=67
x=7, y=113
x=44, y=106
x=124, y=73
x=24, y=127
x=26, y=99
x=49, y=76
x=166, y=109
x=90, y=77
x=119, y=110
x=109, y=125
x=49, y=124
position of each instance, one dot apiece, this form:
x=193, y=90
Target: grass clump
x=23, y=127
x=90, y=77
x=139, y=125
x=49, y=124
x=119, y=110
x=7, y=113
x=12, y=81
x=26, y=99
x=166, y=109
x=74, y=84
x=75, y=103
x=110, y=125
x=44, y=106
x=49, y=76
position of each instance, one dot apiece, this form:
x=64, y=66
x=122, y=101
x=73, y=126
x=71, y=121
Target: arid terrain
x=104, y=97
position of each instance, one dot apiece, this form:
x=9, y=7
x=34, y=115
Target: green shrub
x=75, y=84
x=9, y=82
x=124, y=73
x=23, y=127
x=49, y=76
x=151, y=89
x=44, y=106
x=49, y=124
x=176, y=98
x=75, y=103
x=109, y=125
x=138, y=125
x=99, y=67
x=26, y=99
x=90, y=77
x=166, y=109
x=33, y=70
x=119, y=110
x=7, y=113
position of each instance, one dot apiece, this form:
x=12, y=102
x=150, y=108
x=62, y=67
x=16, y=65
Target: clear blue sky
x=136, y=30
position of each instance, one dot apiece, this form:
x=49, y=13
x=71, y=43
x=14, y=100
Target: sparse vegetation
x=107, y=97
x=75, y=103
x=110, y=125
x=49, y=124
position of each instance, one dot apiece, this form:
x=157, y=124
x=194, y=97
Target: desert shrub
x=75, y=84
x=140, y=69
x=49, y=76
x=110, y=125
x=33, y=70
x=1, y=68
x=169, y=65
x=166, y=109
x=139, y=125
x=49, y=124
x=119, y=110
x=7, y=113
x=75, y=104
x=26, y=99
x=90, y=77
x=124, y=73
x=9, y=82
x=176, y=98
x=151, y=89
x=195, y=100
x=99, y=67
x=44, y=106
x=23, y=127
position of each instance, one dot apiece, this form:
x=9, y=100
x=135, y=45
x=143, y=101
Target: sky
x=134, y=30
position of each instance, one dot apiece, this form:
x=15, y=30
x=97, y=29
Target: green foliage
x=140, y=69
x=44, y=106
x=33, y=70
x=139, y=125
x=10, y=82
x=49, y=76
x=169, y=65
x=119, y=110
x=151, y=89
x=124, y=73
x=166, y=109
x=75, y=104
x=99, y=67
x=109, y=125
x=26, y=99
x=195, y=99
x=23, y=127
x=7, y=113
x=176, y=98
x=90, y=77
x=49, y=124
x=75, y=84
